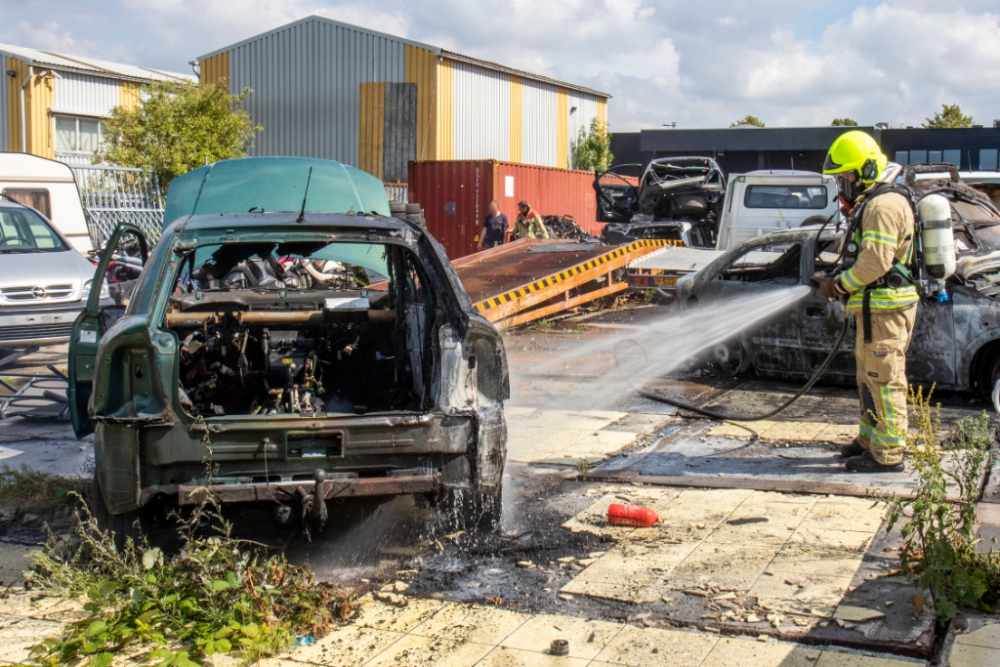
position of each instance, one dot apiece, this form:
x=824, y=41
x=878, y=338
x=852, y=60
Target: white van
x=757, y=203
x=49, y=187
x=761, y=202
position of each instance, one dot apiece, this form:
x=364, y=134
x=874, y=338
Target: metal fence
x=113, y=195
x=396, y=191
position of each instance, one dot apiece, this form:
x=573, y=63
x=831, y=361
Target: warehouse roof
x=62, y=62
x=451, y=55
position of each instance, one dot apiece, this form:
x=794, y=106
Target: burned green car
x=289, y=354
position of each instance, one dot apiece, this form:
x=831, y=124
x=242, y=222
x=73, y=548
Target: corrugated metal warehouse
x=63, y=99
x=330, y=90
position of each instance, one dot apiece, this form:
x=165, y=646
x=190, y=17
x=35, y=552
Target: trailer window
x=786, y=196
x=36, y=198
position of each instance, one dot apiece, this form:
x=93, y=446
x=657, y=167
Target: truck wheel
x=123, y=526
x=473, y=511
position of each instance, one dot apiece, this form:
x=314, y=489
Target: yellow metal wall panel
x=516, y=118
x=14, y=102
x=128, y=95
x=371, y=139
x=214, y=68
x=37, y=104
x=602, y=111
x=562, y=129
x=445, y=110
x=422, y=69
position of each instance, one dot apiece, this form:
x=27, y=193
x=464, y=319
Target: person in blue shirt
x=494, y=228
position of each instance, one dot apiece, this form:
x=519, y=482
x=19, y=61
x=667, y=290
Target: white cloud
x=700, y=64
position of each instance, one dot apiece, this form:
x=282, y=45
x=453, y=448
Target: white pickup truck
x=757, y=203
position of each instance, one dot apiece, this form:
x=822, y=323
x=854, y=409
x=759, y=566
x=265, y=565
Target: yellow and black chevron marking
x=548, y=281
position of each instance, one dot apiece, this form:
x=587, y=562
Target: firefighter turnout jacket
x=885, y=323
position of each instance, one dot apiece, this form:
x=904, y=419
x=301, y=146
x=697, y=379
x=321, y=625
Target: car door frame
x=86, y=336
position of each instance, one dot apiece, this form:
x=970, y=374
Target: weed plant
x=216, y=595
x=26, y=488
x=939, y=536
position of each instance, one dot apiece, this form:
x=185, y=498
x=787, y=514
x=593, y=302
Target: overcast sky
x=697, y=63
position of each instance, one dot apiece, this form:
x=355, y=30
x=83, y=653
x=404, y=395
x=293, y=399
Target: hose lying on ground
x=805, y=388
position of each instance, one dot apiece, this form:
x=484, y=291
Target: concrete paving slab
x=348, y=646
x=45, y=445
x=505, y=656
x=381, y=616
x=418, y=651
x=586, y=637
x=749, y=653
x=654, y=647
x=471, y=623
x=552, y=436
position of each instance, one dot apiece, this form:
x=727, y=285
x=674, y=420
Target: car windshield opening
x=272, y=328
x=23, y=230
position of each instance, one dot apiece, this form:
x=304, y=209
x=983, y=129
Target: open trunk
x=299, y=328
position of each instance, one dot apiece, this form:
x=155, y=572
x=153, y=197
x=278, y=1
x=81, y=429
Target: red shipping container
x=455, y=195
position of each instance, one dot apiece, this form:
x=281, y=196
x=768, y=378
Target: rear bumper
x=333, y=488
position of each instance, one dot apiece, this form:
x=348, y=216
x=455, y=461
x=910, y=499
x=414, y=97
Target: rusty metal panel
x=550, y=191
x=455, y=194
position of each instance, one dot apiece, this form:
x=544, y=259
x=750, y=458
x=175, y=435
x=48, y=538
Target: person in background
x=529, y=224
x=495, y=226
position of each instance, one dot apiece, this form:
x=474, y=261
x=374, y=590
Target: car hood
x=60, y=274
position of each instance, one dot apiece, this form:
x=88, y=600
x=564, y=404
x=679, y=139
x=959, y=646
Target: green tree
x=748, y=120
x=949, y=116
x=175, y=129
x=593, y=148
x=844, y=122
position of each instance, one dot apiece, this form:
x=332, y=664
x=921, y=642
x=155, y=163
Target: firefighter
x=529, y=224
x=877, y=283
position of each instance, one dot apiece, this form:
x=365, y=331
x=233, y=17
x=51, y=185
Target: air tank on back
x=936, y=237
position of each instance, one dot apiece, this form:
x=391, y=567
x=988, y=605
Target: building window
x=902, y=158
x=988, y=159
x=918, y=157
x=78, y=135
x=953, y=156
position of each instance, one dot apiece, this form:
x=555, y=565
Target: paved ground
x=767, y=552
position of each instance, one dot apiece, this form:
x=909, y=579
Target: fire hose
x=802, y=392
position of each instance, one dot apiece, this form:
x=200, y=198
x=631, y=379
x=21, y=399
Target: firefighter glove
x=827, y=287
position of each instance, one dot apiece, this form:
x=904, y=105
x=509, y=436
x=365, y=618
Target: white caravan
x=49, y=187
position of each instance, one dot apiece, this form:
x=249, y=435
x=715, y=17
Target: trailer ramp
x=529, y=279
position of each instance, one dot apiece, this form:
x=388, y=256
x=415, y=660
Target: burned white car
x=290, y=357
x=955, y=345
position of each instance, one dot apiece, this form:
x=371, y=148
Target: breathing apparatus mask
x=850, y=190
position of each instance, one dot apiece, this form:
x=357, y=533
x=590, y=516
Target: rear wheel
x=729, y=359
x=992, y=389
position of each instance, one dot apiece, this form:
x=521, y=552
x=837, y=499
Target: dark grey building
x=742, y=149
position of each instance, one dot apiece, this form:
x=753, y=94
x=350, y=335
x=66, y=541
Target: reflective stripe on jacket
x=886, y=236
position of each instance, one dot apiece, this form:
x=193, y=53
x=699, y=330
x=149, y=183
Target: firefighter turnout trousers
x=882, y=381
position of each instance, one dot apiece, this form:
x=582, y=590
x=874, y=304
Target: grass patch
x=939, y=536
x=216, y=595
x=26, y=488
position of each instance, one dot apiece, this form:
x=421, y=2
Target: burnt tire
x=479, y=511
x=991, y=389
x=814, y=220
x=122, y=526
x=729, y=359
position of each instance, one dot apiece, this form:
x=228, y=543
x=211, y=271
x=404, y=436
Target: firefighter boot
x=865, y=463
x=853, y=449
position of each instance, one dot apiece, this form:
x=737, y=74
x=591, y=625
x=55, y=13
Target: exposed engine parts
x=232, y=366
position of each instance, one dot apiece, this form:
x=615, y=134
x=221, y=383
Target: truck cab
x=756, y=203
x=761, y=202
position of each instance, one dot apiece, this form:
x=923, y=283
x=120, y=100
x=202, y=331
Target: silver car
x=44, y=281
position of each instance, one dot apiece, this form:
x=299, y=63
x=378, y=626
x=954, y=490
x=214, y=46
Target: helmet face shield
x=850, y=189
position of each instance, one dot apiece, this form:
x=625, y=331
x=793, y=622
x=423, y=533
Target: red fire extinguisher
x=631, y=515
